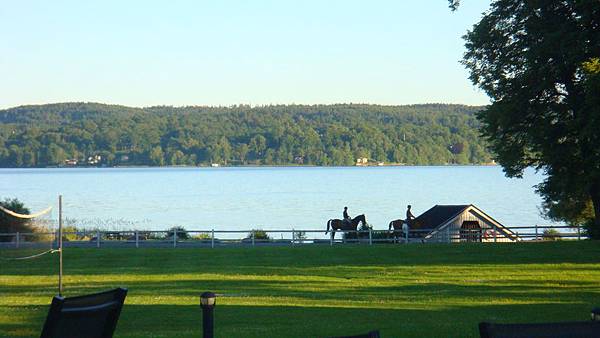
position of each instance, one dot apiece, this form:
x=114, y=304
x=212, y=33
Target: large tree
x=538, y=62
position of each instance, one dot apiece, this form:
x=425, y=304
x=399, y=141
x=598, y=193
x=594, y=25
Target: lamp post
x=596, y=314
x=208, y=300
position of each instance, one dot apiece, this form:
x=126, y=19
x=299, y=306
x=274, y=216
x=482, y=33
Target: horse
x=338, y=224
x=398, y=226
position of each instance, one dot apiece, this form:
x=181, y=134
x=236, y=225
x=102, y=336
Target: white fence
x=217, y=238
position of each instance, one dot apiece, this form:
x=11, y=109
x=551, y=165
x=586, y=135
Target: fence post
x=137, y=239
x=536, y=232
x=98, y=238
x=579, y=232
x=17, y=240
x=253, y=235
x=370, y=236
x=293, y=236
x=175, y=237
x=406, y=235
x=331, y=238
x=495, y=236
x=212, y=239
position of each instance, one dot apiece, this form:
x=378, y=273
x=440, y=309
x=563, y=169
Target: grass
x=315, y=291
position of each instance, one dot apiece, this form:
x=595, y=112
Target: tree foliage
x=97, y=134
x=538, y=62
x=453, y=4
x=10, y=224
x=181, y=232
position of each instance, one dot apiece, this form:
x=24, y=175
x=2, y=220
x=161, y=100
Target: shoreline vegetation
x=99, y=135
x=205, y=166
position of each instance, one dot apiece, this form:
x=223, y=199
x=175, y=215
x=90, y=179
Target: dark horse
x=338, y=224
x=397, y=225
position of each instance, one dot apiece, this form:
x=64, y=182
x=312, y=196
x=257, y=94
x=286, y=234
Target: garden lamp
x=208, y=300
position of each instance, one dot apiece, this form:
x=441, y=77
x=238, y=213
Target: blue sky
x=143, y=53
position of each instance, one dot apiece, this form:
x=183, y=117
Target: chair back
x=89, y=316
x=540, y=330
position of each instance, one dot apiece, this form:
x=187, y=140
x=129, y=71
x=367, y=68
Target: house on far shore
x=459, y=223
x=362, y=161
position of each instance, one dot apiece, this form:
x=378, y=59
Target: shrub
x=259, y=234
x=300, y=236
x=181, y=232
x=73, y=233
x=202, y=235
x=551, y=235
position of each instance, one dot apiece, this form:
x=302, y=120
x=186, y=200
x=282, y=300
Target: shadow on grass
x=432, y=295
x=261, y=259
x=287, y=321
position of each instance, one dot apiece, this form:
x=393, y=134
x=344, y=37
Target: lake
x=267, y=197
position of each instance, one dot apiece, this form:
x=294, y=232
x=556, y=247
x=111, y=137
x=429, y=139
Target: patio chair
x=88, y=316
x=541, y=330
x=372, y=334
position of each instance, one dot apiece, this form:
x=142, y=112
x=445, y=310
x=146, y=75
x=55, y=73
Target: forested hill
x=98, y=134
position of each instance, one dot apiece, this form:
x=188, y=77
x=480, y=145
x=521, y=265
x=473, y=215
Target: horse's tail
x=328, y=222
x=391, y=226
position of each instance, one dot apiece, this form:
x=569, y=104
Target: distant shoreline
x=257, y=166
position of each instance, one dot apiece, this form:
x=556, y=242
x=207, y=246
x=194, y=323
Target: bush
x=551, y=235
x=181, y=232
x=73, y=233
x=202, y=236
x=300, y=236
x=258, y=234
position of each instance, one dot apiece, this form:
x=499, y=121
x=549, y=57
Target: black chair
x=372, y=334
x=541, y=330
x=89, y=316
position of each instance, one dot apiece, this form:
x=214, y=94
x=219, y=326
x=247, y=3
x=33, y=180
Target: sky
x=221, y=53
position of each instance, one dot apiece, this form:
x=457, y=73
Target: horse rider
x=409, y=216
x=346, y=217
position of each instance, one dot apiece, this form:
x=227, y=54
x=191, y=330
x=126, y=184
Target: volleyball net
x=27, y=236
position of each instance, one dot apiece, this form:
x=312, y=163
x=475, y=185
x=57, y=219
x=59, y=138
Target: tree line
x=324, y=135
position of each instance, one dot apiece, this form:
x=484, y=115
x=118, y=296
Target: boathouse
x=459, y=223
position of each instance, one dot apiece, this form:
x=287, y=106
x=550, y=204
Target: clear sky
x=143, y=53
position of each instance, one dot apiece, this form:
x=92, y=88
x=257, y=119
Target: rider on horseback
x=346, y=218
x=409, y=216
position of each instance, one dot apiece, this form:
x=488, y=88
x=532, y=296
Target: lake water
x=267, y=197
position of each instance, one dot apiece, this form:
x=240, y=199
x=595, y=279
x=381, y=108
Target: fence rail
x=214, y=238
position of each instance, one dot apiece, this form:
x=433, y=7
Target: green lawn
x=314, y=291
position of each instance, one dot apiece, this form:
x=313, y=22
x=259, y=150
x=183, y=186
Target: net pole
x=60, y=246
